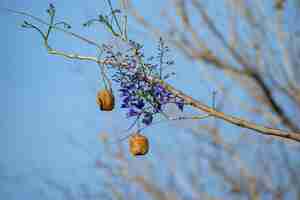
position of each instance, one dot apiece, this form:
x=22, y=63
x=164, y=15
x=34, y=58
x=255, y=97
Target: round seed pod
x=105, y=100
x=138, y=144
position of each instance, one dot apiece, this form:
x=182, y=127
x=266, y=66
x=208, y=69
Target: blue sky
x=49, y=120
x=46, y=101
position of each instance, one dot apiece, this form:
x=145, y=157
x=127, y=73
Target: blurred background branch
x=248, y=51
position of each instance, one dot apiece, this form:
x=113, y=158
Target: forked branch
x=201, y=106
x=188, y=100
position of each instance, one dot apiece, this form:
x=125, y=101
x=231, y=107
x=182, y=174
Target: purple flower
x=148, y=118
x=141, y=97
x=180, y=105
x=132, y=113
x=158, y=90
x=124, y=92
x=125, y=103
x=140, y=104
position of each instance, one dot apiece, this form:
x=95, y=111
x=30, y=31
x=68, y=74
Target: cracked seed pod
x=138, y=144
x=105, y=99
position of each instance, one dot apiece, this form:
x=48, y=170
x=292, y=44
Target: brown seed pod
x=105, y=99
x=138, y=144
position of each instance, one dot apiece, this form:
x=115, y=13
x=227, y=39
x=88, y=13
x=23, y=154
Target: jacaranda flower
x=141, y=97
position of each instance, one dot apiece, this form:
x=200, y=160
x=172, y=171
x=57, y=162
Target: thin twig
x=195, y=103
x=54, y=27
x=187, y=99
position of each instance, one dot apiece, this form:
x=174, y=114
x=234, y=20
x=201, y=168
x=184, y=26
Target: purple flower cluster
x=142, y=98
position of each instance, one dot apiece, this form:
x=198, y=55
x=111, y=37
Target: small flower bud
x=138, y=144
x=105, y=100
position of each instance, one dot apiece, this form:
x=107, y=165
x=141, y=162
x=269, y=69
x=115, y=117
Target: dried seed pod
x=138, y=144
x=105, y=100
